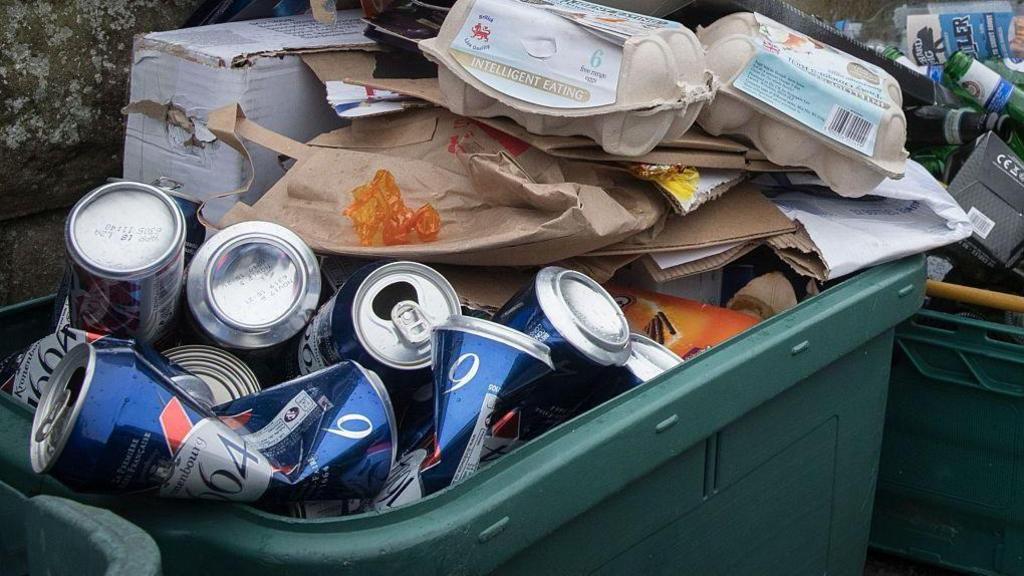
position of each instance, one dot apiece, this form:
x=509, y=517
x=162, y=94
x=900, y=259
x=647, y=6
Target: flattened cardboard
x=657, y=274
x=741, y=215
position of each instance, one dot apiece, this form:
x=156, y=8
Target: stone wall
x=63, y=81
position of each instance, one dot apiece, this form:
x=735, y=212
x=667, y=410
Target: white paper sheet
x=913, y=215
x=666, y=260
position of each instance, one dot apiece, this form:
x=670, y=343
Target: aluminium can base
x=757, y=457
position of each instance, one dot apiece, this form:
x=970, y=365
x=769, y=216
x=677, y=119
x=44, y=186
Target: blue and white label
x=824, y=89
x=932, y=38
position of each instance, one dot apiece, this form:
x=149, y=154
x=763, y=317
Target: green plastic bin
x=951, y=479
x=757, y=457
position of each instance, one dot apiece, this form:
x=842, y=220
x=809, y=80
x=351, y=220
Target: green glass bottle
x=985, y=86
x=1010, y=68
x=934, y=159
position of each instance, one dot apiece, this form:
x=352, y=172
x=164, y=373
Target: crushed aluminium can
x=382, y=317
x=586, y=331
x=125, y=244
x=116, y=420
x=647, y=360
x=477, y=364
x=25, y=375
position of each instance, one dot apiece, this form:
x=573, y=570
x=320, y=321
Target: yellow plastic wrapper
x=380, y=216
x=679, y=181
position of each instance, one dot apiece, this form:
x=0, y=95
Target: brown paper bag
x=501, y=201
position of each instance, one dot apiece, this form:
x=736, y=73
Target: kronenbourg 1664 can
x=382, y=317
x=477, y=364
x=586, y=331
x=114, y=419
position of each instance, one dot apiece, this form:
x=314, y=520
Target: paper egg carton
x=663, y=83
x=730, y=44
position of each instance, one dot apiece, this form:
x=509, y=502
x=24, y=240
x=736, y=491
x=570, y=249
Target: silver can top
x=253, y=285
x=584, y=314
x=228, y=377
x=125, y=230
x=396, y=307
x=504, y=334
x=648, y=359
x=59, y=407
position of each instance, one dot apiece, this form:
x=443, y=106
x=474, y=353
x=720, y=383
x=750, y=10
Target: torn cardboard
x=179, y=76
x=501, y=202
x=658, y=274
x=798, y=250
x=740, y=216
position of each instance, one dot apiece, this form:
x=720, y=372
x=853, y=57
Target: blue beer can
x=647, y=360
x=586, y=332
x=382, y=317
x=477, y=364
x=116, y=419
x=331, y=435
x=113, y=421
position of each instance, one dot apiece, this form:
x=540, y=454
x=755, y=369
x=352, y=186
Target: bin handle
x=976, y=296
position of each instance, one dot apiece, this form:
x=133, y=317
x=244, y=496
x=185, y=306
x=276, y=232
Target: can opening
x=389, y=297
x=57, y=418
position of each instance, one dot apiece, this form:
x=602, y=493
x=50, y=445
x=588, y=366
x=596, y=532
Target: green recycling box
x=951, y=478
x=756, y=457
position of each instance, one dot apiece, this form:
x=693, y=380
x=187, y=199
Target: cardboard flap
x=798, y=250
x=658, y=274
x=230, y=125
x=389, y=131
x=741, y=214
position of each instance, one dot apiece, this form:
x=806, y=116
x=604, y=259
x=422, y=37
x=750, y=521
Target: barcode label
x=982, y=224
x=850, y=128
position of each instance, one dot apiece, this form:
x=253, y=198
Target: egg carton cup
x=730, y=44
x=663, y=83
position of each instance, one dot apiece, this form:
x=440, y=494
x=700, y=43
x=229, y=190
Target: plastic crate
x=756, y=457
x=951, y=479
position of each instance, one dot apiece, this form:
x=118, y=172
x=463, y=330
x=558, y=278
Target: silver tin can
x=125, y=243
x=253, y=285
x=648, y=359
x=227, y=377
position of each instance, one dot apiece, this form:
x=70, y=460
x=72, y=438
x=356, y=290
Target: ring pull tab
x=412, y=324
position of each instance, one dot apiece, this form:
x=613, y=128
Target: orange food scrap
x=377, y=210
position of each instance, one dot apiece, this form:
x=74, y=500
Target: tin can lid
x=253, y=285
x=648, y=359
x=124, y=230
x=584, y=314
x=395, y=308
x=494, y=331
x=60, y=406
x=382, y=392
x=228, y=377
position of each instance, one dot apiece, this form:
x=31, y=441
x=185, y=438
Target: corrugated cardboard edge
x=732, y=201
x=600, y=268
x=715, y=262
x=701, y=198
x=799, y=251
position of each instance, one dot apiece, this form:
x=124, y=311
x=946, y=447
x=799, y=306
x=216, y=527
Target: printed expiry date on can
x=128, y=233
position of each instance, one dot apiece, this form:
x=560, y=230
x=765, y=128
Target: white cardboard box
x=179, y=76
